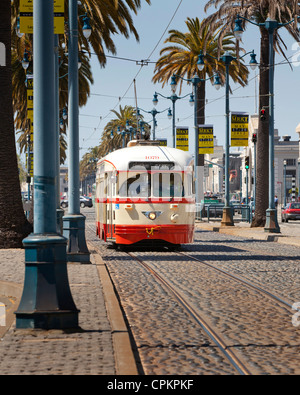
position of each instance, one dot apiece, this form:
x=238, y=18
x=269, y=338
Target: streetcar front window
x=156, y=184
x=168, y=185
x=137, y=185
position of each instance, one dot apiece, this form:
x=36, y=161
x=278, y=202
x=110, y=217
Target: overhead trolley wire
x=142, y=65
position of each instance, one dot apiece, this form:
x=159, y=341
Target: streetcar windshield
x=167, y=185
x=135, y=185
x=158, y=184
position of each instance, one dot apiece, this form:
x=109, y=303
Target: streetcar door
x=110, y=215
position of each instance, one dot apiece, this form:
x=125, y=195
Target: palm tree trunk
x=262, y=187
x=201, y=96
x=13, y=224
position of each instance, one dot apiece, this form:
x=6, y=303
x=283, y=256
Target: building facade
x=286, y=166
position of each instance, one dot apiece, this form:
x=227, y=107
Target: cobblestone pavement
x=258, y=329
x=88, y=351
x=167, y=339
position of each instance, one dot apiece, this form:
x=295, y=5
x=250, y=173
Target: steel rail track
x=242, y=280
x=228, y=353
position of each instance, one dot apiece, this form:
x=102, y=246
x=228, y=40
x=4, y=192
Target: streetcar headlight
x=152, y=216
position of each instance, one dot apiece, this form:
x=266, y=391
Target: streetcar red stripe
x=145, y=201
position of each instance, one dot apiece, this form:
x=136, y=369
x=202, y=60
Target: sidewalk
x=243, y=229
x=100, y=347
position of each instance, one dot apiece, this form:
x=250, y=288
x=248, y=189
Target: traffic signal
x=247, y=162
x=254, y=138
x=263, y=114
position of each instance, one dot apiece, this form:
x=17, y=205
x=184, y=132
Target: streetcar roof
x=121, y=158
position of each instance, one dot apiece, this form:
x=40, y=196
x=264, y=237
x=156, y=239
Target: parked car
x=290, y=212
x=84, y=202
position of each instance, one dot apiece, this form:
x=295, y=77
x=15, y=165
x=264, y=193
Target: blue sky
x=116, y=80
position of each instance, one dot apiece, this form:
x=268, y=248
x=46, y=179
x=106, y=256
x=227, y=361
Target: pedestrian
x=276, y=201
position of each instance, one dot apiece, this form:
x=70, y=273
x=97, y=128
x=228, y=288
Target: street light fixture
x=65, y=114
x=201, y=63
x=173, y=84
x=18, y=32
x=217, y=83
x=192, y=100
x=25, y=61
x=173, y=98
x=87, y=30
x=154, y=112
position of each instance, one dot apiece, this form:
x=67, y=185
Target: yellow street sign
x=163, y=142
x=30, y=101
x=26, y=16
x=206, y=139
x=30, y=164
x=182, y=138
x=29, y=98
x=239, y=129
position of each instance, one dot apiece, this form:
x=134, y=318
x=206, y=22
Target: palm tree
x=124, y=117
x=20, y=95
x=112, y=138
x=13, y=223
x=109, y=17
x=258, y=11
x=88, y=163
x=181, y=58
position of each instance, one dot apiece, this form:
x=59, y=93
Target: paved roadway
x=260, y=334
x=257, y=329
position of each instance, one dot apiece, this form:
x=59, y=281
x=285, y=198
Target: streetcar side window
x=189, y=184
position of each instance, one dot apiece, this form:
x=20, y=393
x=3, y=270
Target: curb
x=13, y=292
x=11, y=289
x=251, y=234
x=124, y=357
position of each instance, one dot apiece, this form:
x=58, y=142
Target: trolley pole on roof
x=74, y=222
x=199, y=168
x=46, y=302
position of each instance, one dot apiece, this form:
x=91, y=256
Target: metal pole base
x=272, y=222
x=227, y=219
x=74, y=231
x=47, y=302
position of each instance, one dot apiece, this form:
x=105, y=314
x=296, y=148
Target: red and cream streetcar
x=145, y=192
